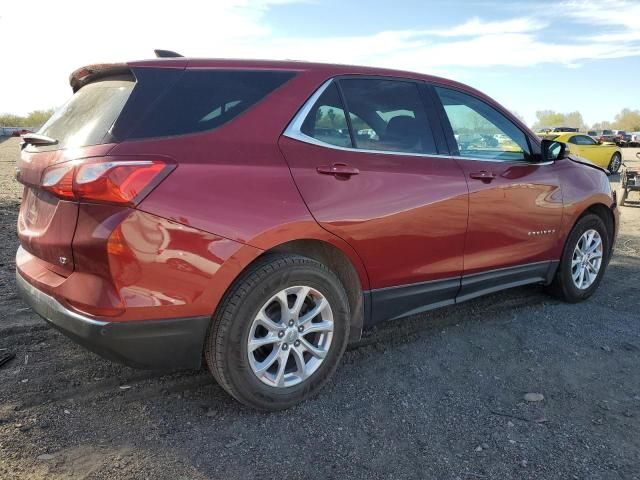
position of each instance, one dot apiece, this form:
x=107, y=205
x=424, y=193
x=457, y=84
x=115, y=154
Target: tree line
x=627, y=120
x=32, y=119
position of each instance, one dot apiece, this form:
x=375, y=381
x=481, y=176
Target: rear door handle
x=483, y=175
x=338, y=170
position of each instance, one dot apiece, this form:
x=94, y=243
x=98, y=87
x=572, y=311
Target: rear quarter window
x=206, y=99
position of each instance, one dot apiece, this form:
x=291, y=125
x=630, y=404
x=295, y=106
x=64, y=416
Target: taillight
x=108, y=180
x=58, y=179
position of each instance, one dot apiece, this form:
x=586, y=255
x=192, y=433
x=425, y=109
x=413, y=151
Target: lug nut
x=296, y=343
x=285, y=346
x=300, y=328
x=280, y=334
x=291, y=323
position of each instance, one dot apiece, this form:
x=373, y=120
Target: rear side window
x=388, y=115
x=327, y=121
x=206, y=99
x=89, y=114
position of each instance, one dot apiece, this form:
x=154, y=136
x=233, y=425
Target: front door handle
x=338, y=170
x=483, y=175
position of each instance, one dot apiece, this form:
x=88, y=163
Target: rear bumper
x=162, y=344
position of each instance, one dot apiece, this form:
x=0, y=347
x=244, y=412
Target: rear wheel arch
x=341, y=265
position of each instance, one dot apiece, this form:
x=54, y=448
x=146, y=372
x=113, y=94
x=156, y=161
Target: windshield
x=89, y=114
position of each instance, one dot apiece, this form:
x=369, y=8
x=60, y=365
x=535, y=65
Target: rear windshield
x=89, y=114
x=205, y=99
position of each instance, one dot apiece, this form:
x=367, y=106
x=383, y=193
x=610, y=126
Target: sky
x=563, y=55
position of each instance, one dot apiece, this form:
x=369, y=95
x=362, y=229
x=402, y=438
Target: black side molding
x=397, y=302
x=484, y=283
x=405, y=300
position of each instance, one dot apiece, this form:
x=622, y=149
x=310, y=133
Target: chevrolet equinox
x=258, y=215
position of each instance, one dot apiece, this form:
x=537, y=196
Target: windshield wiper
x=35, y=139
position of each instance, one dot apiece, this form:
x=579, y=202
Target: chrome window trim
x=294, y=131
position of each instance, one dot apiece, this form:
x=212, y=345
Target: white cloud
x=476, y=26
x=67, y=34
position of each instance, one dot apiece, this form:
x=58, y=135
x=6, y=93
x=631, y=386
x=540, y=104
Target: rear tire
x=615, y=163
x=564, y=285
x=262, y=290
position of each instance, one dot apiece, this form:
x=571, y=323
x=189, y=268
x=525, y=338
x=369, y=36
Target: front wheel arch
x=606, y=215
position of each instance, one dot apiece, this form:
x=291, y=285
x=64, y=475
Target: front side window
x=480, y=130
x=387, y=115
x=327, y=120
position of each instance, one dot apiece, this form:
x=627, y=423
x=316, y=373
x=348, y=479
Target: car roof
x=292, y=65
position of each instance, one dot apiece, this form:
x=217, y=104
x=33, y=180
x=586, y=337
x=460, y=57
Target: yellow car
x=605, y=155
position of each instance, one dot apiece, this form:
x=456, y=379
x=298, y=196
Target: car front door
x=515, y=201
x=367, y=163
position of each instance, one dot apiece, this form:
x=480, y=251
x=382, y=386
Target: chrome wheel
x=587, y=259
x=290, y=336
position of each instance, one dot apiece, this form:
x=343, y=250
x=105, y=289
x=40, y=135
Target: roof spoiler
x=166, y=54
x=91, y=73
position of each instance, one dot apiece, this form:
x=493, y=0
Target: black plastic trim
x=484, y=283
x=402, y=301
x=397, y=302
x=154, y=344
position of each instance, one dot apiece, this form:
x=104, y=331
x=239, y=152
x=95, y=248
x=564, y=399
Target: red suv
x=260, y=214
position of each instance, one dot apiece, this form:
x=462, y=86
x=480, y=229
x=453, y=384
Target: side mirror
x=553, y=150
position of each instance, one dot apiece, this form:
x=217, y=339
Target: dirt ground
x=436, y=396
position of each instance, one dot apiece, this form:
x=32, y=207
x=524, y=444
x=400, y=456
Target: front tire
x=584, y=260
x=279, y=333
x=615, y=163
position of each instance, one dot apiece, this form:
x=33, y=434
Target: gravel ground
x=440, y=395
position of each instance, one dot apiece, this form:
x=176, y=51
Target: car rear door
x=515, y=201
x=365, y=158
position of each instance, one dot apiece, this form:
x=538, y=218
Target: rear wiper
x=35, y=139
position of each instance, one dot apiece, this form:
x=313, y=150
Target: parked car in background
x=618, y=136
x=634, y=140
x=592, y=133
x=19, y=132
x=606, y=156
x=566, y=129
x=605, y=136
x=230, y=210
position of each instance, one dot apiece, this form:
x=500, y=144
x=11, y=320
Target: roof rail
x=166, y=54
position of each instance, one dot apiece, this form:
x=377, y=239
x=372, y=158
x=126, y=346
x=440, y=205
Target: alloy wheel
x=290, y=336
x=615, y=163
x=587, y=259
